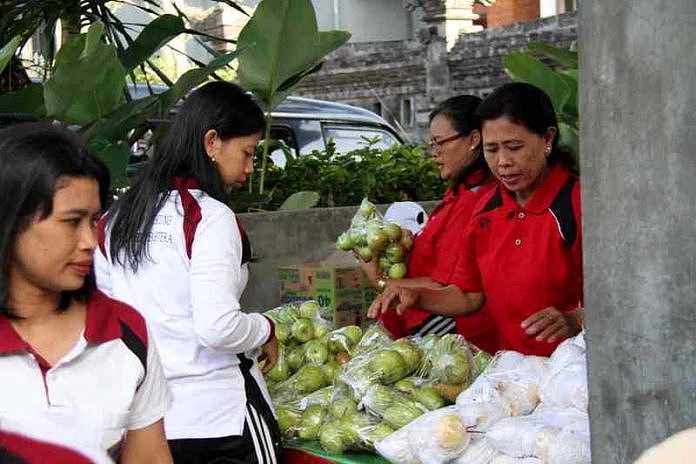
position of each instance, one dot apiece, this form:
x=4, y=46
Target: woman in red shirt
x=455, y=145
x=523, y=245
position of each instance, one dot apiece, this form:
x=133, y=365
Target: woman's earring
x=212, y=158
x=548, y=149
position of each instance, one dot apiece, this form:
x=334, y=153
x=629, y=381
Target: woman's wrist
x=381, y=283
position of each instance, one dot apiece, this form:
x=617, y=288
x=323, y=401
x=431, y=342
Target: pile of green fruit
x=349, y=390
x=310, y=352
x=370, y=238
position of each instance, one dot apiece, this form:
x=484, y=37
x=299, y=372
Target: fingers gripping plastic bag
x=370, y=237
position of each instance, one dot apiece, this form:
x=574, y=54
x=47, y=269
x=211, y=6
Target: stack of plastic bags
x=520, y=410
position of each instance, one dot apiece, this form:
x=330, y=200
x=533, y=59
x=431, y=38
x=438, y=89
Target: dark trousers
x=258, y=444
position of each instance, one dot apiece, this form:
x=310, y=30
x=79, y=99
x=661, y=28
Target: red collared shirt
x=435, y=253
x=525, y=259
x=109, y=382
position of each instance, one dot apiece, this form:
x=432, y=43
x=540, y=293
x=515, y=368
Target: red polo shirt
x=435, y=253
x=527, y=258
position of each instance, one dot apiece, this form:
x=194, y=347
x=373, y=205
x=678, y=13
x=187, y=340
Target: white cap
x=407, y=214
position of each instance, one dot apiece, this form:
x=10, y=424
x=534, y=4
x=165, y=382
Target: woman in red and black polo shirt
x=523, y=245
x=455, y=146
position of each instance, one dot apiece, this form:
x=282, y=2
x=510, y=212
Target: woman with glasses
x=522, y=251
x=455, y=147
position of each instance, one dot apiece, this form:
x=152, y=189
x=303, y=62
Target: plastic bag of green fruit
x=299, y=322
x=371, y=238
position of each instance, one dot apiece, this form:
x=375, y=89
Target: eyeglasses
x=437, y=144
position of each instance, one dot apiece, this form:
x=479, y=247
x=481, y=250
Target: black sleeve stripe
x=562, y=209
x=495, y=201
x=134, y=343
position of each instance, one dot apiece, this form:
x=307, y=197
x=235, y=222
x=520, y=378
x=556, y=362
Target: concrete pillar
x=638, y=159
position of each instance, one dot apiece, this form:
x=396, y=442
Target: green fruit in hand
x=367, y=209
x=338, y=342
x=281, y=371
x=428, y=397
x=384, y=263
x=311, y=421
x=406, y=385
x=288, y=419
x=393, y=231
x=389, y=366
x=282, y=333
x=365, y=253
x=406, y=239
x=397, y=271
x=409, y=351
x=358, y=237
x=309, y=309
x=309, y=379
x=316, y=352
x=344, y=242
x=395, y=253
x=296, y=358
x=377, y=241
x=302, y=330
x=343, y=407
x=331, y=369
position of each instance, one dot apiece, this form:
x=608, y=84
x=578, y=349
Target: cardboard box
x=338, y=285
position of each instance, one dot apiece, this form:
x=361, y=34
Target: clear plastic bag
x=371, y=237
x=438, y=436
x=567, y=353
x=523, y=436
x=448, y=360
x=567, y=387
x=479, y=451
x=482, y=405
x=392, y=406
x=503, y=459
x=567, y=441
x=395, y=448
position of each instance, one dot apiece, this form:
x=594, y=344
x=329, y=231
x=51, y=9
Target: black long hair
x=221, y=106
x=33, y=159
x=461, y=113
x=530, y=107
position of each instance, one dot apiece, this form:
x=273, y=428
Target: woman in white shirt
x=173, y=249
x=68, y=353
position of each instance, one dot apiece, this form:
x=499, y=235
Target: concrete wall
x=638, y=64
x=290, y=237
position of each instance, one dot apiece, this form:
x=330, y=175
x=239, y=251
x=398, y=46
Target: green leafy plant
x=86, y=89
x=294, y=49
x=399, y=173
x=559, y=79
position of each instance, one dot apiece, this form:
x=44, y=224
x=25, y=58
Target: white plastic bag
x=567, y=353
x=518, y=379
x=438, y=436
x=567, y=387
x=479, y=451
x=503, y=459
x=481, y=406
x=519, y=436
x=395, y=448
x=569, y=448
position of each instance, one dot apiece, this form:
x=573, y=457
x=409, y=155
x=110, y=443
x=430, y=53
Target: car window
x=348, y=138
x=287, y=145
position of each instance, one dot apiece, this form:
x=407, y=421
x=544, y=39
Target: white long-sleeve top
x=189, y=291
